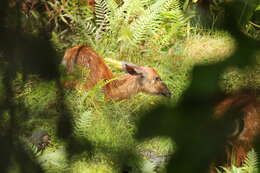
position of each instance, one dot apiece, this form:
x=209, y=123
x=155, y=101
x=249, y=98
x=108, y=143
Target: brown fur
x=121, y=88
x=91, y=3
x=243, y=138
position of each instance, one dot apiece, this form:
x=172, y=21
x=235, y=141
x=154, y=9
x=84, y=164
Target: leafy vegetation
x=249, y=166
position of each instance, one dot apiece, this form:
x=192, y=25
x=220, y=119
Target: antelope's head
x=148, y=79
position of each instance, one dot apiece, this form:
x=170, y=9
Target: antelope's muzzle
x=166, y=92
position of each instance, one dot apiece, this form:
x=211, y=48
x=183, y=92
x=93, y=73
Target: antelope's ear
x=132, y=68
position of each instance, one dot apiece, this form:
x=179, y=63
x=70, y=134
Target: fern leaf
x=218, y=170
x=150, y=21
x=112, y=6
x=82, y=124
x=90, y=28
x=250, y=164
x=101, y=11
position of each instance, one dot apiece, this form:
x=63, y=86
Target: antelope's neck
x=122, y=88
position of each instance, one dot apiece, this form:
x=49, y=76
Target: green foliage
x=38, y=96
x=148, y=22
x=54, y=161
x=251, y=162
x=127, y=27
x=83, y=166
x=101, y=14
x=82, y=124
x=235, y=79
x=99, y=122
x=243, y=11
x=71, y=12
x=250, y=165
x=246, y=10
x=148, y=167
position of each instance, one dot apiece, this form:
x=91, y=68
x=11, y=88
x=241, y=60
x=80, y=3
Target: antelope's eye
x=142, y=76
x=157, y=78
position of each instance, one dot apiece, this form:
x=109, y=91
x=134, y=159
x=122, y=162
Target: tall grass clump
x=234, y=79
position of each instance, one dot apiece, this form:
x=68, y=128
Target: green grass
x=213, y=47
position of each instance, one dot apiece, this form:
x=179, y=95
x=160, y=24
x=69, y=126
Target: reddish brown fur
x=91, y=3
x=87, y=57
x=243, y=140
x=122, y=88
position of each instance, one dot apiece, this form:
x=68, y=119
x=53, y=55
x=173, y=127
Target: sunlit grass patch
x=209, y=47
x=83, y=166
x=234, y=79
x=54, y=160
x=160, y=145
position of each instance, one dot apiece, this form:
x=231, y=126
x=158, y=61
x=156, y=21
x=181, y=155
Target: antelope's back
x=86, y=57
x=243, y=107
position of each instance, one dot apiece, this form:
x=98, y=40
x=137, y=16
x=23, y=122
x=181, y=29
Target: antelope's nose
x=166, y=92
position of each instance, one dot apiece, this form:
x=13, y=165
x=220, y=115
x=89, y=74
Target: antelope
x=244, y=111
x=138, y=78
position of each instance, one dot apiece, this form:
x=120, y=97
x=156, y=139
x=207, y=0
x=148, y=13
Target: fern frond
x=172, y=23
x=102, y=20
x=71, y=12
x=82, y=124
x=101, y=12
x=145, y=23
x=251, y=164
x=173, y=13
x=129, y=9
x=150, y=21
x=112, y=6
x=218, y=171
x=90, y=28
